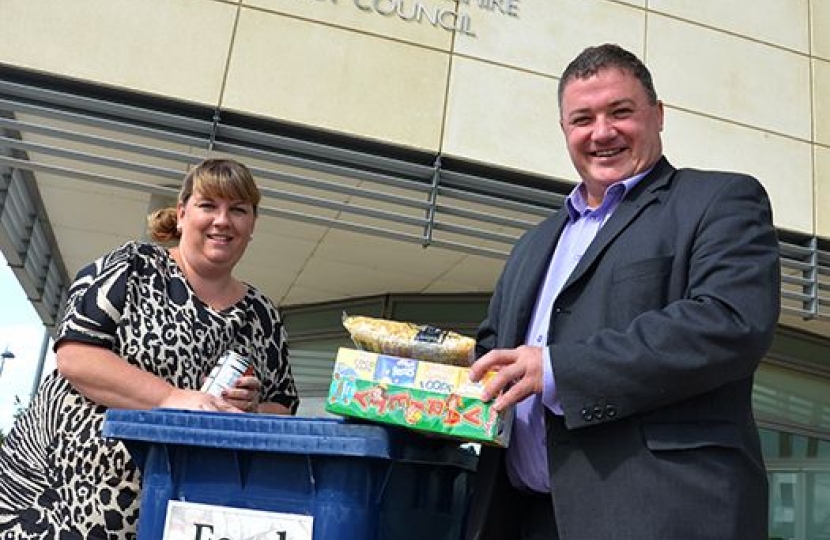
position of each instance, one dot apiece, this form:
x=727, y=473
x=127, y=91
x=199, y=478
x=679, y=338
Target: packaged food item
x=409, y=340
x=229, y=369
x=415, y=394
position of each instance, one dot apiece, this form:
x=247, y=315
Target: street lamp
x=6, y=355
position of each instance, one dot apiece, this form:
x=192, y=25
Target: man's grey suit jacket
x=654, y=340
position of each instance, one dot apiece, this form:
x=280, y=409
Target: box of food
x=420, y=395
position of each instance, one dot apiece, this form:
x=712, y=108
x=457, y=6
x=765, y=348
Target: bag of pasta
x=408, y=340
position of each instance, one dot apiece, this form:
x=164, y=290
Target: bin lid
x=253, y=432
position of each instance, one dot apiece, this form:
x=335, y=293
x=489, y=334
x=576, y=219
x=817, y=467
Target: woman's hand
x=245, y=395
x=196, y=400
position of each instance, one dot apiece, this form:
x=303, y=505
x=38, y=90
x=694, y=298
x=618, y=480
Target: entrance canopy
x=82, y=166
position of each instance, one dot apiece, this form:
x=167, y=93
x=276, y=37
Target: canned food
x=230, y=367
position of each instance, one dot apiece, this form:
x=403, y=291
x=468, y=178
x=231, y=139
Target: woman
x=143, y=327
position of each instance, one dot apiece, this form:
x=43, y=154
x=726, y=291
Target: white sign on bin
x=195, y=521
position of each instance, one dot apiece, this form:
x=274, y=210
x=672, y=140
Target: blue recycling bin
x=357, y=481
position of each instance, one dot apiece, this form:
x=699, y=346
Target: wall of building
x=746, y=83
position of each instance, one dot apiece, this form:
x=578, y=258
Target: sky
x=21, y=333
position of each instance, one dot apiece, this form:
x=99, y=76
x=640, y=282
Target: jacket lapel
x=534, y=268
x=645, y=193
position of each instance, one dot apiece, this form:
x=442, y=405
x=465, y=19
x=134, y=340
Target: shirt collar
x=577, y=205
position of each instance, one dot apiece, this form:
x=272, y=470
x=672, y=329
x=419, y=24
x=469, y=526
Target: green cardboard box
x=424, y=396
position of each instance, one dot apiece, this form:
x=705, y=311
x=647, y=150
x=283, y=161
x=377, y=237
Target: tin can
x=230, y=367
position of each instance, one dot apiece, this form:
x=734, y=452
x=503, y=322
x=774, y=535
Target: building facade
x=403, y=145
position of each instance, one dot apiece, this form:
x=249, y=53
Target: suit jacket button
x=598, y=412
x=587, y=415
x=610, y=411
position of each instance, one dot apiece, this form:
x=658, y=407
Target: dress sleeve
x=277, y=381
x=96, y=299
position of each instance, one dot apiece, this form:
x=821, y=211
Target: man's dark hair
x=608, y=55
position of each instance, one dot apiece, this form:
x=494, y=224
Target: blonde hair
x=215, y=178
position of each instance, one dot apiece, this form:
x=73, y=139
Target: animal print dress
x=59, y=479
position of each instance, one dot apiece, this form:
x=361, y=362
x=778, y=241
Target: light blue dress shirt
x=527, y=463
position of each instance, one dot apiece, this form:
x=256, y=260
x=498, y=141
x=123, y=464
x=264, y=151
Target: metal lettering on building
x=456, y=18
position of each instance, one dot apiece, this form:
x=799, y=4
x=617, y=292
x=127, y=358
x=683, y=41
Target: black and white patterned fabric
x=59, y=479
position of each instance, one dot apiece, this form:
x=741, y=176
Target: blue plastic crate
x=358, y=481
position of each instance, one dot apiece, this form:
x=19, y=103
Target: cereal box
x=424, y=396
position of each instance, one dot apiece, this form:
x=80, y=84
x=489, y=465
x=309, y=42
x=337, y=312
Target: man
x=626, y=330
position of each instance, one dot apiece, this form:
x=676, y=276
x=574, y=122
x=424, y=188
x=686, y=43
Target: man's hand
x=519, y=373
